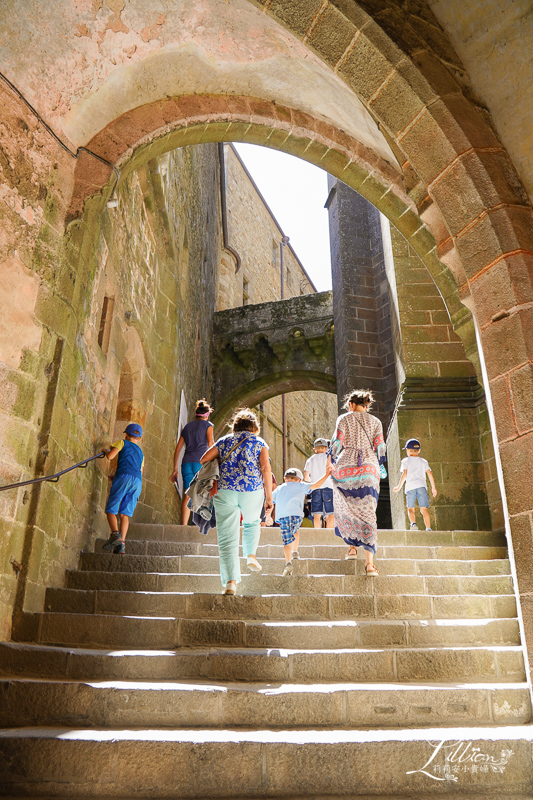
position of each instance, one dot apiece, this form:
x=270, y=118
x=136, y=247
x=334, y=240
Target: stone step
x=313, y=536
x=209, y=564
x=67, y=762
x=142, y=573
x=139, y=704
x=503, y=663
x=282, y=606
x=159, y=548
x=104, y=630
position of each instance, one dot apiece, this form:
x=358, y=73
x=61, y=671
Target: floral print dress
x=357, y=450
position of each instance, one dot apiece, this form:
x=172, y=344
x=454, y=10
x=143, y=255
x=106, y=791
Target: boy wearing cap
x=414, y=471
x=321, y=499
x=289, y=501
x=126, y=486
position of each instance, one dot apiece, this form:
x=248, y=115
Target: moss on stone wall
x=156, y=256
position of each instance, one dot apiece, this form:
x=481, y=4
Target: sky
x=296, y=192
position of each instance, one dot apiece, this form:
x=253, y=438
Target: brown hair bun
x=359, y=397
x=202, y=407
x=244, y=419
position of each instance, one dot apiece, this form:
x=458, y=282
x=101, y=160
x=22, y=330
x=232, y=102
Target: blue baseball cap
x=412, y=444
x=134, y=430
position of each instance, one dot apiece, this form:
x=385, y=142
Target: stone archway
x=255, y=392
x=449, y=187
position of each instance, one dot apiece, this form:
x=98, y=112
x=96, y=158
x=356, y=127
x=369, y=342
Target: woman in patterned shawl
x=245, y=482
x=357, y=451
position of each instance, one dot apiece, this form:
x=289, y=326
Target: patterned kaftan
x=356, y=477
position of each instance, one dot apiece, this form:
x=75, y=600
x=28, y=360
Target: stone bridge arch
x=263, y=350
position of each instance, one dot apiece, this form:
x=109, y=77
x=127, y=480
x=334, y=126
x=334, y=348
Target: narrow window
x=106, y=319
x=275, y=253
x=245, y=292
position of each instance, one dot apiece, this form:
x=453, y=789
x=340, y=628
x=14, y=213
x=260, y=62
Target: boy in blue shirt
x=289, y=501
x=126, y=486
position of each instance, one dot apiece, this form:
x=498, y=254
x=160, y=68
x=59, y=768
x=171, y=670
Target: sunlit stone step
x=264, y=763
x=503, y=663
x=326, y=536
x=102, y=630
x=278, y=606
x=209, y=564
x=119, y=573
x=319, y=551
x=145, y=704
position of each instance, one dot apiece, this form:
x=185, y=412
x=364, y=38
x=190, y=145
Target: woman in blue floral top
x=245, y=481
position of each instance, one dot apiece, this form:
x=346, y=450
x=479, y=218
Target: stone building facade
x=256, y=236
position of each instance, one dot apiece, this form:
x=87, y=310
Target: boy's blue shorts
x=125, y=491
x=188, y=471
x=289, y=527
x=322, y=501
x=420, y=494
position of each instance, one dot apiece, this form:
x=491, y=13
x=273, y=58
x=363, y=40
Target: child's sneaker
x=288, y=569
x=111, y=542
x=120, y=547
x=428, y=529
x=295, y=555
x=413, y=526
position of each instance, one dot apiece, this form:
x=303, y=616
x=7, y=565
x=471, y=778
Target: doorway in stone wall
x=130, y=405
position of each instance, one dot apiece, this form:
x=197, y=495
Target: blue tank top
x=130, y=460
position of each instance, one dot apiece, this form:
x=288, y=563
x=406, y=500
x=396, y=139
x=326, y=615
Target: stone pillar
x=364, y=353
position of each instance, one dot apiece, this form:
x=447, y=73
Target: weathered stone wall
x=34, y=173
x=64, y=397
x=442, y=403
x=256, y=235
x=168, y=251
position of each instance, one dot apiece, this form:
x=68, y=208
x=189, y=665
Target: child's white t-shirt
x=316, y=466
x=416, y=472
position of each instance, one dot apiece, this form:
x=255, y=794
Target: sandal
x=351, y=555
x=371, y=570
x=230, y=590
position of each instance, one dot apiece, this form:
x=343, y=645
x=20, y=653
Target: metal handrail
x=53, y=478
x=394, y=413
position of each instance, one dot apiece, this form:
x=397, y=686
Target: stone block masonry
x=69, y=390
x=441, y=401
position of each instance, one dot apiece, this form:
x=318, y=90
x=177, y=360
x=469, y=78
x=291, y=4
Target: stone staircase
x=141, y=680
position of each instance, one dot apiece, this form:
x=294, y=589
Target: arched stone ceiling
x=94, y=61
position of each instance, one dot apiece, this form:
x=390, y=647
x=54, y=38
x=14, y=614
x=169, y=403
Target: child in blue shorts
x=126, y=486
x=289, y=501
x=321, y=499
x=414, y=472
